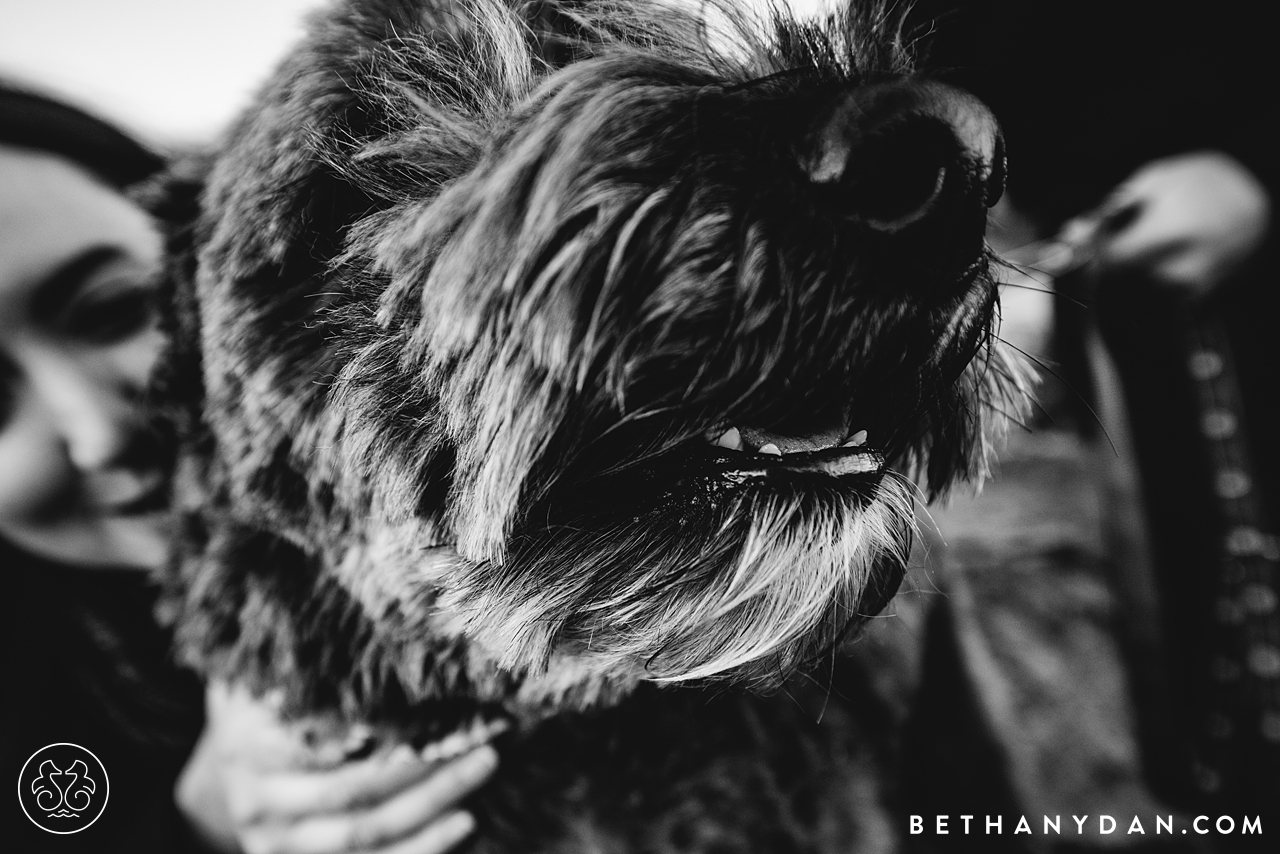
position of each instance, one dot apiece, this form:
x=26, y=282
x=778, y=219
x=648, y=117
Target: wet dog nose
x=907, y=152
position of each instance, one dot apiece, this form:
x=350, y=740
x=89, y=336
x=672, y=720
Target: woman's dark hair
x=31, y=120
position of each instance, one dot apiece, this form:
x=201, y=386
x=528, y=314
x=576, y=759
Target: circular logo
x=63, y=788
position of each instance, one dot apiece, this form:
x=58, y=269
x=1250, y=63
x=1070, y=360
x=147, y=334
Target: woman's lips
x=125, y=492
x=150, y=502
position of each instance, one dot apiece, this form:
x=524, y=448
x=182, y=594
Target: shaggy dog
x=565, y=363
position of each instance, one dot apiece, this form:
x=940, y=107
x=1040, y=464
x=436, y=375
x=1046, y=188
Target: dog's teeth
x=857, y=439
x=771, y=448
x=731, y=439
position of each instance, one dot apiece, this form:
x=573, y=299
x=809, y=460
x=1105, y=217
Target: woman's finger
x=406, y=815
x=436, y=838
x=424, y=803
x=353, y=786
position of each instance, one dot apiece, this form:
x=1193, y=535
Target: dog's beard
x=705, y=563
x=747, y=584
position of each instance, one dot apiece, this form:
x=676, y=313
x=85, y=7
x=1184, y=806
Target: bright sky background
x=172, y=71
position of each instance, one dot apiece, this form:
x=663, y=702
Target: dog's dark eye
x=112, y=312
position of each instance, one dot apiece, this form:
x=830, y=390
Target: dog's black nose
x=907, y=151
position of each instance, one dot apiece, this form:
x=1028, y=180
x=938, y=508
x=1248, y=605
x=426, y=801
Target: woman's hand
x=1188, y=221
x=263, y=786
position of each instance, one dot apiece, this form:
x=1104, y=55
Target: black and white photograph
x=639, y=427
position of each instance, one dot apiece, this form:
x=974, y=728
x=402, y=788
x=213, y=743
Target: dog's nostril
x=895, y=199
x=897, y=176
x=895, y=150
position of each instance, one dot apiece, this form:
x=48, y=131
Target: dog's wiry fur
x=474, y=282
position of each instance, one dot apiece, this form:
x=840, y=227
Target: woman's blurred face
x=81, y=479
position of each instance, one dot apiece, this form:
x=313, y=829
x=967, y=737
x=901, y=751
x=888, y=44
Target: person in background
x=1142, y=152
x=83, y=493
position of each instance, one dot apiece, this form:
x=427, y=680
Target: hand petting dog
x=263, y=786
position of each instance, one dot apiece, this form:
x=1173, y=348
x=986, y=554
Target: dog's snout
x=907, y=151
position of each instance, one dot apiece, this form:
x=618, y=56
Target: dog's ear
x=346, y=129
x=331, y=140
x=275, y=199
x=287, y=189
x=273, y=217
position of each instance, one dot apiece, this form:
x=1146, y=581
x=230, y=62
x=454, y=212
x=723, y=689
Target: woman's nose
x=89, y=411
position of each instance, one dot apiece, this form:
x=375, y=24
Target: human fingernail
x=457, y=825
x=462, y=740
x=496, y=727
x=402, y=754
x=453, y=744
x=483, y=759
x=359, y=742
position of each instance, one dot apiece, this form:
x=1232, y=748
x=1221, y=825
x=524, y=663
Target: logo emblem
x=63, y=788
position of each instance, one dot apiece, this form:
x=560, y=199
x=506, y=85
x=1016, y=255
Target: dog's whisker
x=1048, y=289
x=1047, y=368
x=1044, y=289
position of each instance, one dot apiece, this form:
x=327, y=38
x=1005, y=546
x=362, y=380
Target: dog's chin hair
x=777, y=582
x=995, y=391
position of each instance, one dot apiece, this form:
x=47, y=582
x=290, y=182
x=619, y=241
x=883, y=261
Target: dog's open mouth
x=749, y=452
x=818, y=440
x=724, y=461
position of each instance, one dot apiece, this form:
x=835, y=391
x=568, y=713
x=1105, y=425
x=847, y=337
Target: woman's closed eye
x=108, y=312
x=101, y=296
